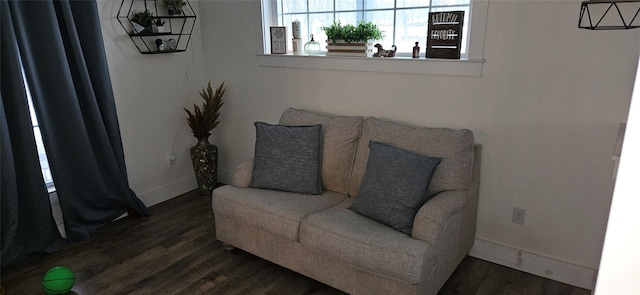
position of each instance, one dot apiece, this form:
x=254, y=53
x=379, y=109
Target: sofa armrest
x=434, y=214
x=242, y=174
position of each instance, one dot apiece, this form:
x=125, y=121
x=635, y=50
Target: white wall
x=547, y=110
x=150, y=91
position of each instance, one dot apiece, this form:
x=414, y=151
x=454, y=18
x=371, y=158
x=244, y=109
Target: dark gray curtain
x=27, y=224
x=62, y=53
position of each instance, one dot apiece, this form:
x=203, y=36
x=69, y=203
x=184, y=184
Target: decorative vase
x=204, y=157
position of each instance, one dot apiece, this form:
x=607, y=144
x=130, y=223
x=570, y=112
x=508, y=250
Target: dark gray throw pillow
x=287, y=158
x=394, y=186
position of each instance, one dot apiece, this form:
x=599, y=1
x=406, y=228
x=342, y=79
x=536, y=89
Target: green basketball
x=58, y=280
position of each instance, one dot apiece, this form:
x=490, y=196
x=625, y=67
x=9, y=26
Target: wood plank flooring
x=174, y=251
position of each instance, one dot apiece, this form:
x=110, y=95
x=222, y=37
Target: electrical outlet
x=172, y=159
x=518, y=215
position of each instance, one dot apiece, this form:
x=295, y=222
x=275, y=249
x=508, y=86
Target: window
x=42, y=155
x=404, y=23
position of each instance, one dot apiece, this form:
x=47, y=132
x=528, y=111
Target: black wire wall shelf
x=173, y=37
x=609, y=14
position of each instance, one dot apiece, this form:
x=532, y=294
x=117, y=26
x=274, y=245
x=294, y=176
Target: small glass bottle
x=416, y=51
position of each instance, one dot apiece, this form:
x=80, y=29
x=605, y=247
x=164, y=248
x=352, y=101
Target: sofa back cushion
x=340, y=141
x=454, y=147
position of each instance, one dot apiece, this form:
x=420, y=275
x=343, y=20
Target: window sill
x=406, y=65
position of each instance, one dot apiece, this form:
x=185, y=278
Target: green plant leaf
x=363, y=32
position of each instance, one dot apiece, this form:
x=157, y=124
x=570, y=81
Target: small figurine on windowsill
x=383, y=52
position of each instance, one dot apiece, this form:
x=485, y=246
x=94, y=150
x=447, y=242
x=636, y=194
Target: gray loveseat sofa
x=320, y=237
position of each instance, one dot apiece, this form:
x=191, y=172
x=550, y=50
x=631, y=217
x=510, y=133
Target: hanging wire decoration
x=609, y=14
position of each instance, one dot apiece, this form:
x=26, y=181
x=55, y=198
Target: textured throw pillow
x=287, y=158
x=394, y=186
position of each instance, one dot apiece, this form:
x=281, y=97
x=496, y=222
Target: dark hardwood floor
x=174, y=251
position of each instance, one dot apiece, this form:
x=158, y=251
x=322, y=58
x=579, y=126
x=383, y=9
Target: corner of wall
x=225, y=176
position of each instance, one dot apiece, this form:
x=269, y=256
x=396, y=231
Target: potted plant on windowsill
x=142, y=21
x=204, y=155
x=350, y=40
x=174, y=7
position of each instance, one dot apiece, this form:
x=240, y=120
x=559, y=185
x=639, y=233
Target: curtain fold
x=65, y=64
x=27, y=224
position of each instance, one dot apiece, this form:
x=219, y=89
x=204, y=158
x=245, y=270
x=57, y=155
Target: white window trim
x=471, y=66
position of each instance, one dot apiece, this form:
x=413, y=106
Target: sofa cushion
x=455, y=147
x=287, y=158
x=394, y=186
x=340, y=139
x=363, y=242
x=276, y=212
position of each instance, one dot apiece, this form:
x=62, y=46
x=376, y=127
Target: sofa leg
x=227, y=247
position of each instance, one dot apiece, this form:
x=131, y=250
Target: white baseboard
x=536, y=264
x=168, y=191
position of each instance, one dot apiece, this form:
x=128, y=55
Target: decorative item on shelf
x=444, y=37
x=204, y=155
x=158, y=26
x=168, y=45
x=142, y=21
x=278, y=40
x=609, y=14
x=341, y=48
x=350, y=40
x=296, y=41
x=295, y=29
x=416, y=51
x=312, y=47
x=384, y=52
x=174, y=7
x=297, y=46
